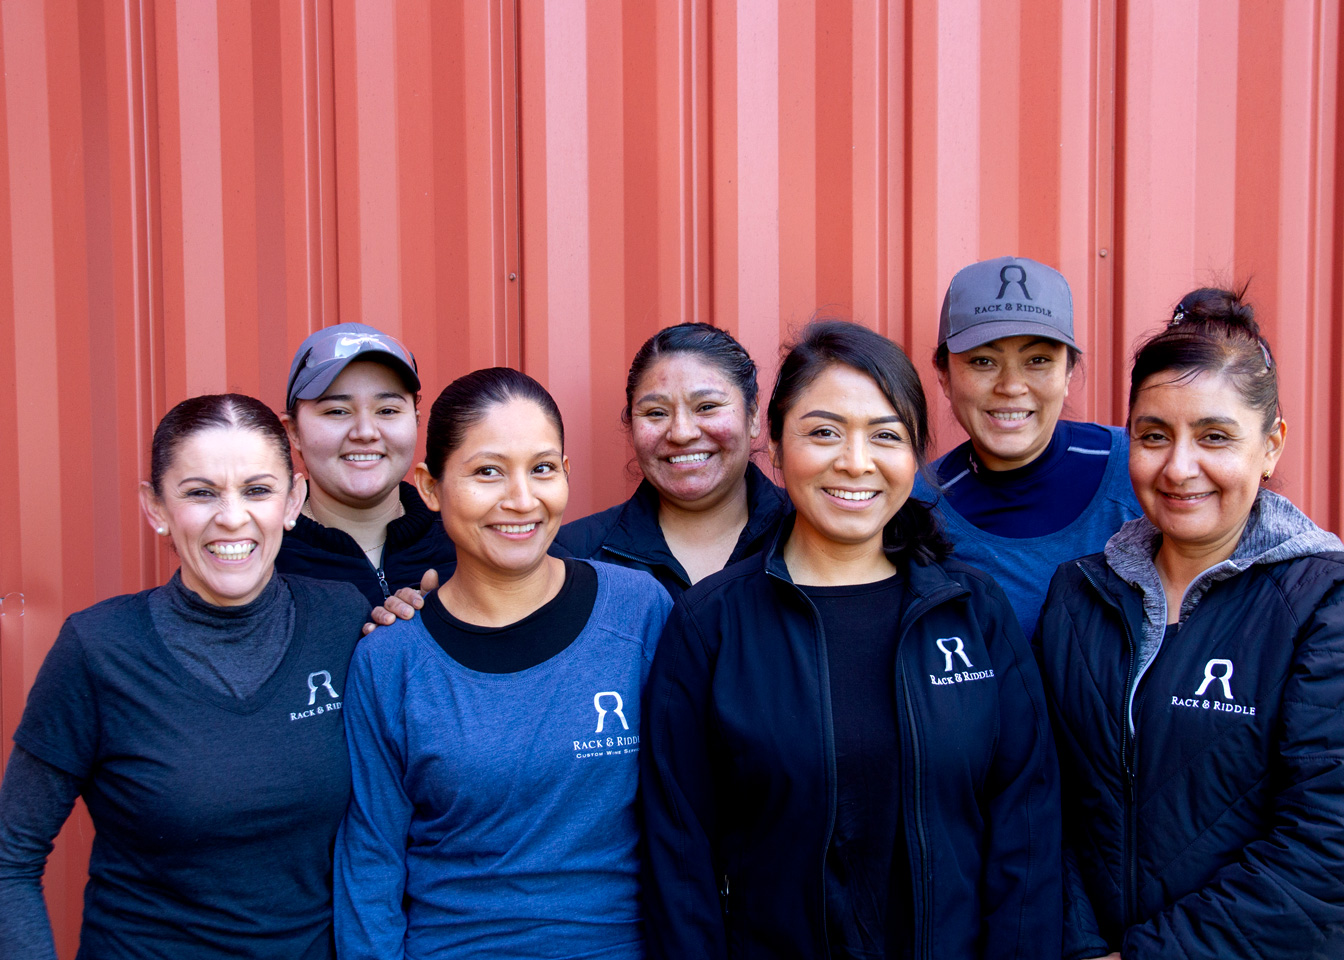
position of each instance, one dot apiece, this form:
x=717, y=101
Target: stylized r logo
x=952, y=646
x=1223, y=678
x=1021, y=280
x=320, y=679
x=602, y=712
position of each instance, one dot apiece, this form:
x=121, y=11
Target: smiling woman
x=690, y=406
x=1195, y=669
x=351, y=415
x=1028, y=490
x=495, y=735
x=847, y=751
x=209, y=707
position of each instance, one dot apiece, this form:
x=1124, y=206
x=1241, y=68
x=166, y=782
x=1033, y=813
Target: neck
x=726, y=512
x=491, y=598
x=1178, y=565
x=815, y=561
x=366, y=524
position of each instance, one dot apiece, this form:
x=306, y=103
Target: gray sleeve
x=35, y=800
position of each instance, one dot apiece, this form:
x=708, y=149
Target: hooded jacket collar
x=636, y=533
x=408, y=528
x=1275, y=531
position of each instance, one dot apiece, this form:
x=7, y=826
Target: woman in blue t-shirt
x=200, y=722
x=1028, y=490
x=494, y=737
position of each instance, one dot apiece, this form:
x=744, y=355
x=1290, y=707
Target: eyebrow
x=348, y=397
x=493, y=455
x=210, y=483
x=827, y=415
x=694, y=395
x=1201, y=422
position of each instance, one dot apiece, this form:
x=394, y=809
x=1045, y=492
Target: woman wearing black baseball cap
x=350, y=409
x=1028, y=490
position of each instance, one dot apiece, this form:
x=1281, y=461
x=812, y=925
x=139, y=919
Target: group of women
x=724, y=718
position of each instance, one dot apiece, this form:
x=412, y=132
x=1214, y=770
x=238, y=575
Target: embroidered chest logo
x=955, y=647
x=608, y=704
x=319, y=686
x=1216, y=685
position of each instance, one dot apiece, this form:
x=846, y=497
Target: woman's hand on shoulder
x=402, y=604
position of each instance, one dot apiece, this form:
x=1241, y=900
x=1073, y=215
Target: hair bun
x=1216, y=305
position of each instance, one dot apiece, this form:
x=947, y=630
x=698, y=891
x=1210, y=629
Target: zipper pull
x=382, y=582
x=723, y=895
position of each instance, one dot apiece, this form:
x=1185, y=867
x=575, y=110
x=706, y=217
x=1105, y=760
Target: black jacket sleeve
x=35, y=800
x=1285, y=896
x=1082, y=933
x=677, y=798
x=1021, y=804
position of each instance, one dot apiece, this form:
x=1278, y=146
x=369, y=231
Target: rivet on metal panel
x=1103, y=252
x=4, y=603
x=513, y=277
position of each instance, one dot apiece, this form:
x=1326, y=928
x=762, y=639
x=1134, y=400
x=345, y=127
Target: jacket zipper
x=1128, y=759
x=648, y=561
x=925, y=921
x=382, y=581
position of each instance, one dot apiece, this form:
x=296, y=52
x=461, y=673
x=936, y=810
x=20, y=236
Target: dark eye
x=545, y=468
x=488, y=472
x=259, y=490
x=1041, y=361
x=979, y=362
x=891, y=436
x=335, y=412
x=389, y=411
x=825, y=433
x=200, y=493
x=1151, y=437
x=707, y=407
x=655, y=414
x=1216, y=437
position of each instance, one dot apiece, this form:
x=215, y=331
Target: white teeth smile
x=232, y=551
x=362, y=457
x=688, y=458
x=1015, y=415
x=853, y=494
x=515, y=527
x=1186, y=496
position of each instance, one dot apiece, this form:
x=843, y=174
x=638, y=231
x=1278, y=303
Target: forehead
x=220, y=451
x=1177, y=395
x=366, y=376
x=841, y=389
x=515, y=424
x=684, y=373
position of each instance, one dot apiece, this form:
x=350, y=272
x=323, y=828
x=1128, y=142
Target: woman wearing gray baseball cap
x=350, y=410
x=1028, y=490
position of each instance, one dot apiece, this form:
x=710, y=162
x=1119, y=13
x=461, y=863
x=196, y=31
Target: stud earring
x=161, y=531
x=289, y=524
x=1264, y=477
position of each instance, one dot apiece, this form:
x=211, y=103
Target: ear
x=1068, y=379
x=292, y=431
x=152, y=506
x=755, y=420
x=1274, y=444
x=564, y=463
x=298, y=493
x=944, y=382
x=427, y=486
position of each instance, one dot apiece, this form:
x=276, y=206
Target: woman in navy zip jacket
x=846, y=749
x=1195, y=671
x=350, y=411
x=690, y=407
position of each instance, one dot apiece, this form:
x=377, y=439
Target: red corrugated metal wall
x=190, y=186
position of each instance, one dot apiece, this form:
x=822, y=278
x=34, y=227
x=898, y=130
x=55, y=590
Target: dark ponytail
x=1213, y=331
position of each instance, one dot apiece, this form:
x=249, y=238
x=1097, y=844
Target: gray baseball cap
x=324, y=354
x=1005, y=297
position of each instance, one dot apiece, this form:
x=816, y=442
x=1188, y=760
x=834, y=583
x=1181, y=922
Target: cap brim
x=323, y=376
x=983, y=333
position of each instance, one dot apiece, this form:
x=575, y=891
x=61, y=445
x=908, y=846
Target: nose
x=1182, y=462
x=854, y=458
x=363, y=426
x=1011, y=382
x=231, y=514
x=684, y=428
x=519, y=497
